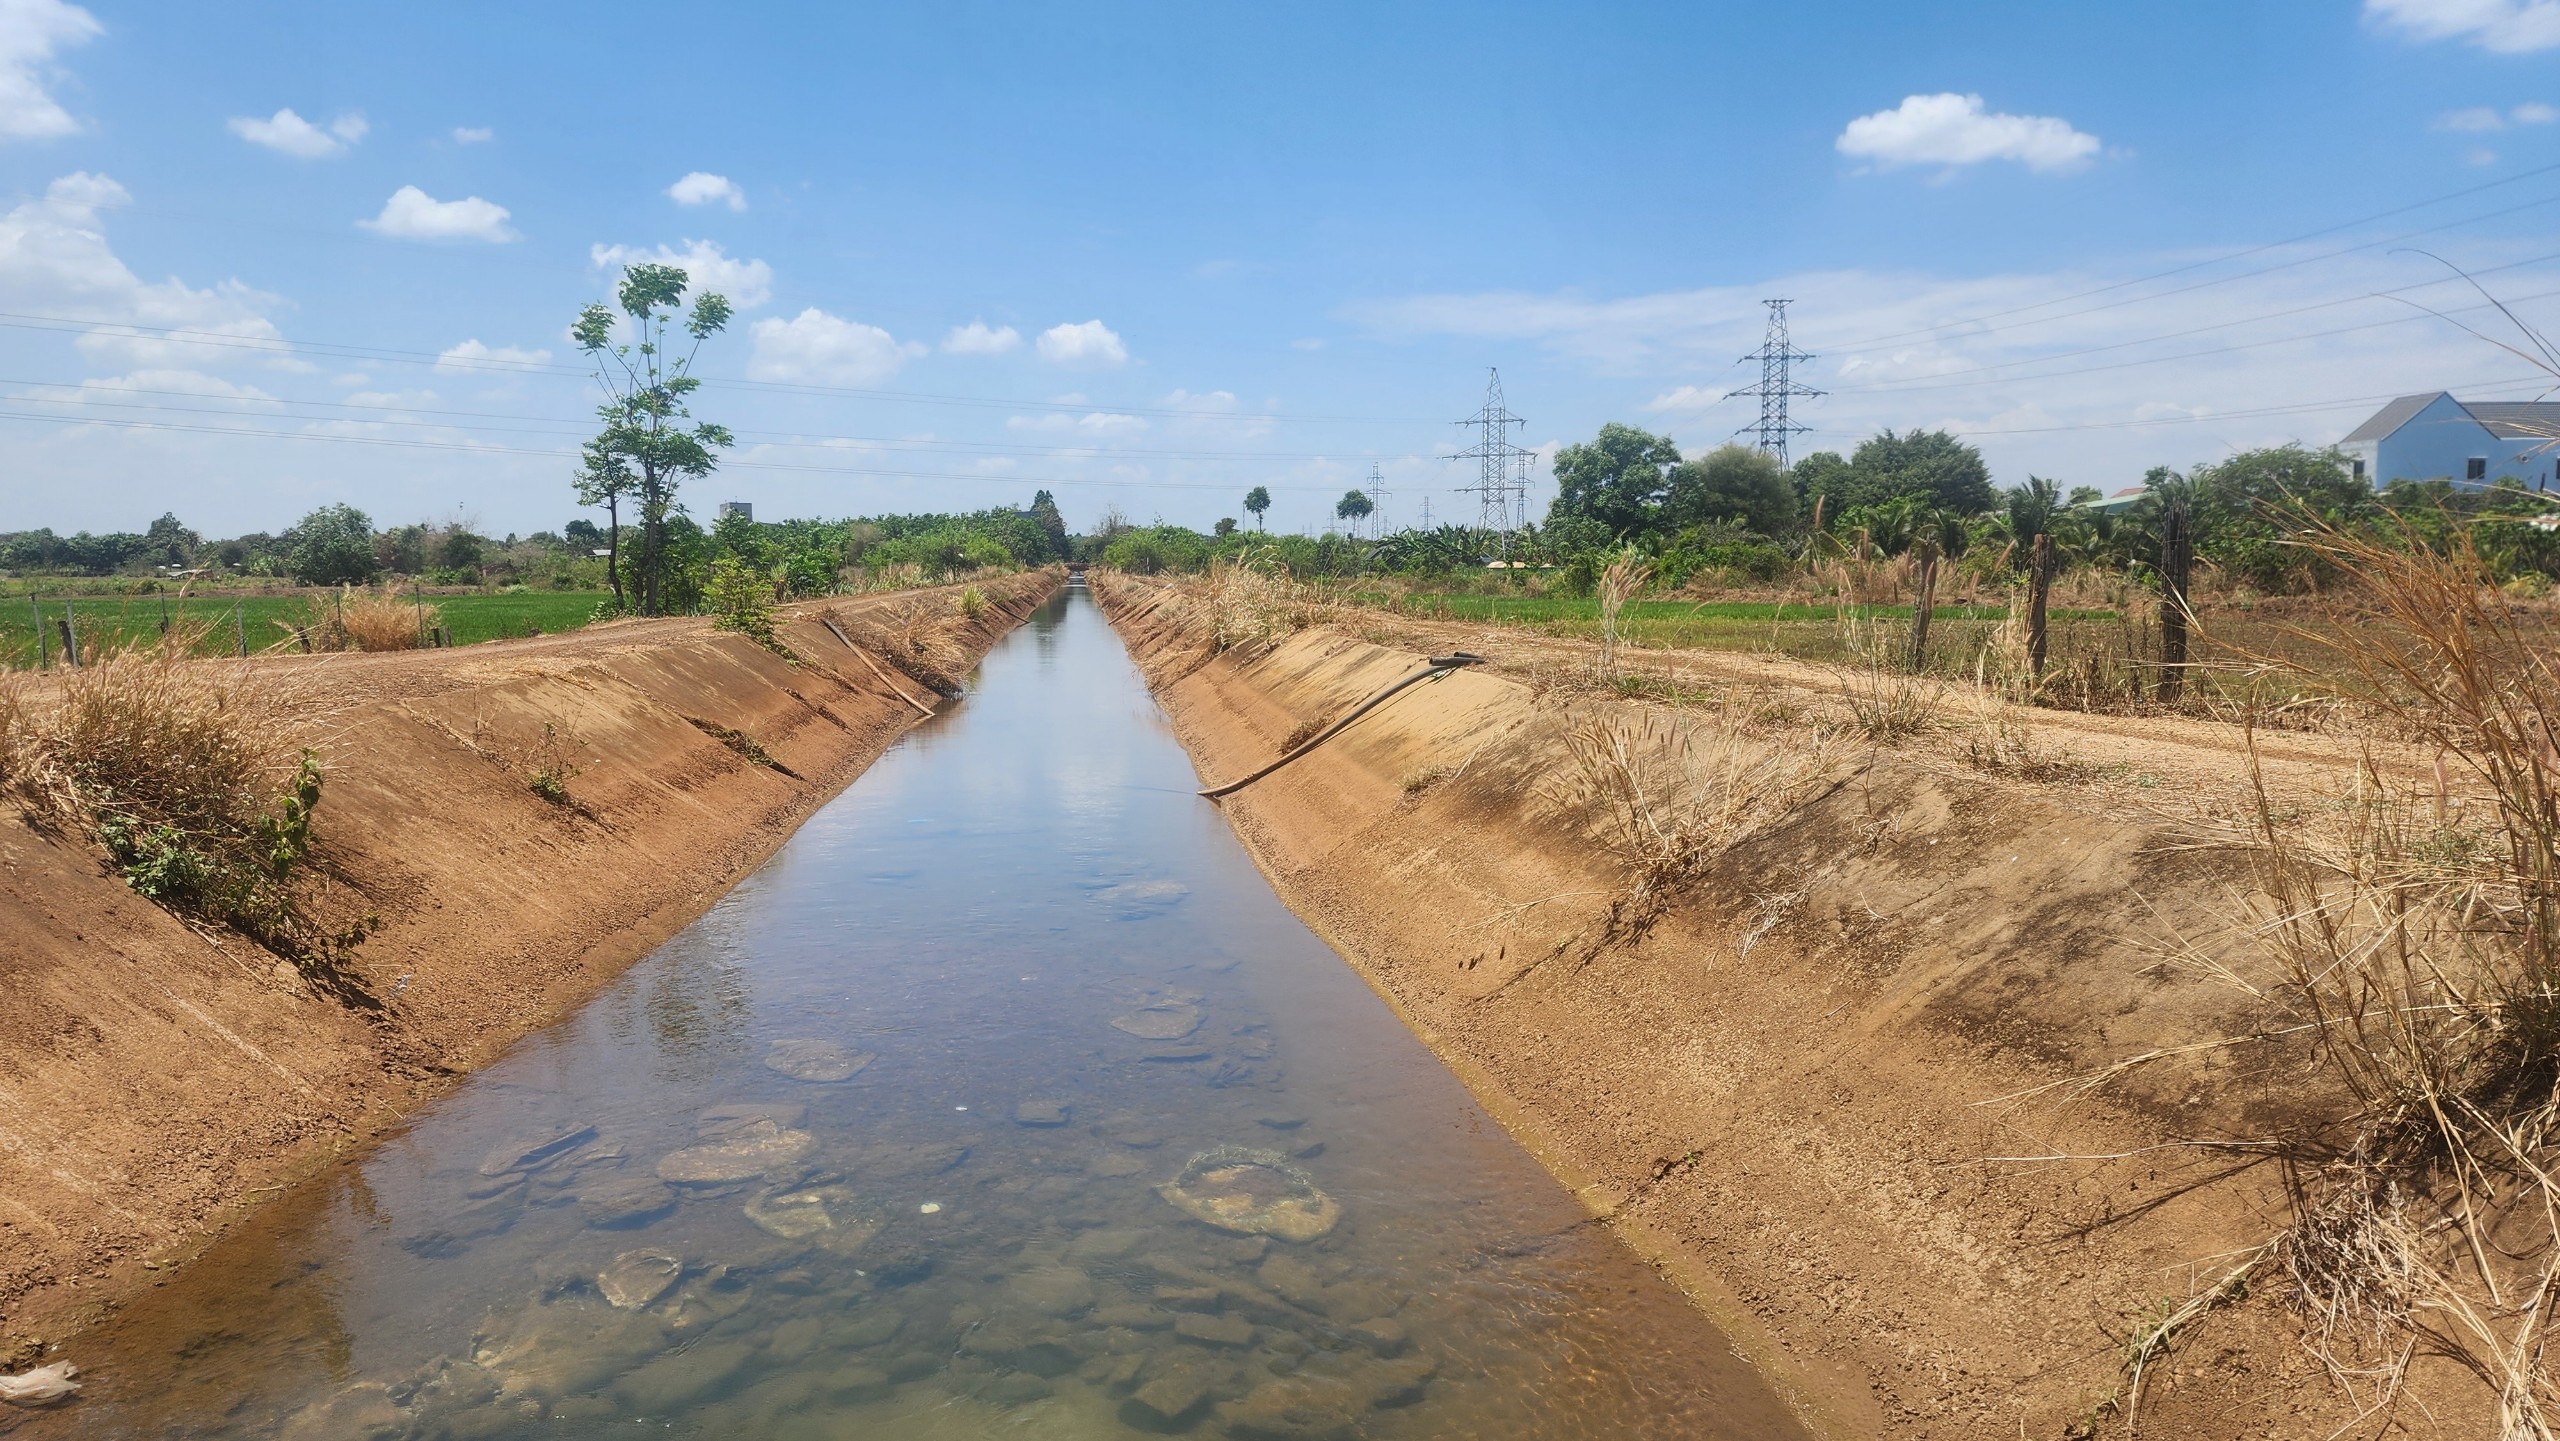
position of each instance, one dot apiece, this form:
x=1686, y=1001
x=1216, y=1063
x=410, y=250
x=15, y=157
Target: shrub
x=741, y=600
x=183, y=772
x=973, y=602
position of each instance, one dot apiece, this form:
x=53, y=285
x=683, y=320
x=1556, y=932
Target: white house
x=2436, y=437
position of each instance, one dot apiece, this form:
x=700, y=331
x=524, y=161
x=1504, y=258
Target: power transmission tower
x=1776, y=355
x=1377, y=491
x=1498, y=495
x=1426, y=512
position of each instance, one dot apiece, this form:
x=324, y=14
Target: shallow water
x=965, y=1236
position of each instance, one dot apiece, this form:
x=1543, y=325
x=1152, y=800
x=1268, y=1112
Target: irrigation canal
x=922, y=1132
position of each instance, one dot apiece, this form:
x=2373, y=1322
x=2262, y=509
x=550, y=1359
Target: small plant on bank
x=741, y=600
x=972, y=602
x=553, y=762
x=182, y=772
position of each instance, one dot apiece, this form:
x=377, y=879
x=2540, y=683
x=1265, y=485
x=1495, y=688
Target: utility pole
x=1496, y=459
x=1777, y=354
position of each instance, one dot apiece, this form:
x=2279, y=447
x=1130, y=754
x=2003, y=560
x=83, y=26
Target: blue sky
x=1209, y=247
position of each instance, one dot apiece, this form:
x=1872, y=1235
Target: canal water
x=1005, y=1100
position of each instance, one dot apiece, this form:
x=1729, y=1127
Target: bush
x=741, y=600
x=183, y=773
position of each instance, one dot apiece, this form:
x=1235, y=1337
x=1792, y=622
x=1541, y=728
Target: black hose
x=1440, y=665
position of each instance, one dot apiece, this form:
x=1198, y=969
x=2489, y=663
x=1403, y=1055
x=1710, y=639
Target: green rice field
x=100, y=621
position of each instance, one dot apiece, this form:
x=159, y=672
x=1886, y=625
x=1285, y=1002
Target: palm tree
x=1257, y=500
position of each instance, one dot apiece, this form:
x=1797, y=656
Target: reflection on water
x=1006, y=1099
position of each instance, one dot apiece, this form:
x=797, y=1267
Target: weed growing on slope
x=185, y=774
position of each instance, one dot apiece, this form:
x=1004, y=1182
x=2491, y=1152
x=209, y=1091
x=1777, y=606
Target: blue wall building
x=2436, y=437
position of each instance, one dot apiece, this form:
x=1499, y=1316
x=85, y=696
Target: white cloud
x=193, y=383
x=1090, y=344
x=2089, y=388
x=55, y=260
x=1309, y=343
x=1098, y=425
x=30, y=32
x=975, y=338
x=412, y=214
x=747, y=283
x=701, y=187
x=2508, y=27
x=1954, y=130
x=2482, y=156
x=815, y=348
x=290, y=134
x=2481, y=119
x=471, y=355
x=473, y=135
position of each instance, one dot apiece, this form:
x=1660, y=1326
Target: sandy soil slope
x=154, y=1079
x=1804, y=1089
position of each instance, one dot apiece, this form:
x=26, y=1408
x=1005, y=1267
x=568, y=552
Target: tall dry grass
x=361, y=619
x=2407, y=933
x=1620, y=580
x=188, y=774
x=1254, y=604
x=1675, y=792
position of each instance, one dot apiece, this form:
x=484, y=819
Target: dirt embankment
x=1811, y=1088
x=154, y=1079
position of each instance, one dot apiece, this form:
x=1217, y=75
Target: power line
x=1922, y=382
x=1776, y=355
x=227, y=340
x=1851, y=346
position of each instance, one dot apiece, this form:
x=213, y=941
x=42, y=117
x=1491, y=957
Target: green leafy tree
x=1735, y=484
x=170, y=543
x=1617, y=478
x=1354, y=506
x=1932, y=464
x=2031, y=509
x=1257, y=501
x=332, y=546
x=1226, y=526
x=604, y=478
x=646, y=385
x=1044, y=509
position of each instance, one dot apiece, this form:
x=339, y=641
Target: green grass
x=103, y=620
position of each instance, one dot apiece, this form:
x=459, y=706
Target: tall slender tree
x=645, y=385
x=1257, y=500
x=604, y=478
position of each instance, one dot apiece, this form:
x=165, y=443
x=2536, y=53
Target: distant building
x=743, y=510
x=2436, y=437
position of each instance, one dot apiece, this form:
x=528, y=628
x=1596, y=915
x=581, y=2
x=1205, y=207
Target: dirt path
x=156, y=1081
x=1813, y=1086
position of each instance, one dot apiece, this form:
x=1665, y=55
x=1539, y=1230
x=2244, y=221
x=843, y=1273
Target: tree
x=333, y=546
x=1735, y=484
x=1617, y=479
x=645, y=388
x=1257, y=500
x=1354, y=506
x=170, y=543
x=2032, y=508
x=1226, y=526
x=1044, y=509
x=604, y=479
x=461, y=550
x=1929, y=463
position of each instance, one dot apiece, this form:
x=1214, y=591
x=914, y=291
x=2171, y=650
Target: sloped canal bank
x=1007, y=1098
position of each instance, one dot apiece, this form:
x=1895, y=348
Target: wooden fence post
x=2039, y=583
x=2177, y=554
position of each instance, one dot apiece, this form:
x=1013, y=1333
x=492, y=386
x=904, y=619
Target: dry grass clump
x=1675, y=793
x=366, y=620
x=187, y=774
x=915, y=637
x=2413, y=942
x=1625, y=575
x=1253, y=605
x=1886, y=701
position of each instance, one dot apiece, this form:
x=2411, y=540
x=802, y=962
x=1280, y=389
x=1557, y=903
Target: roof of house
x=2522, y=420
x=2507, y=420
x=2391, y=417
